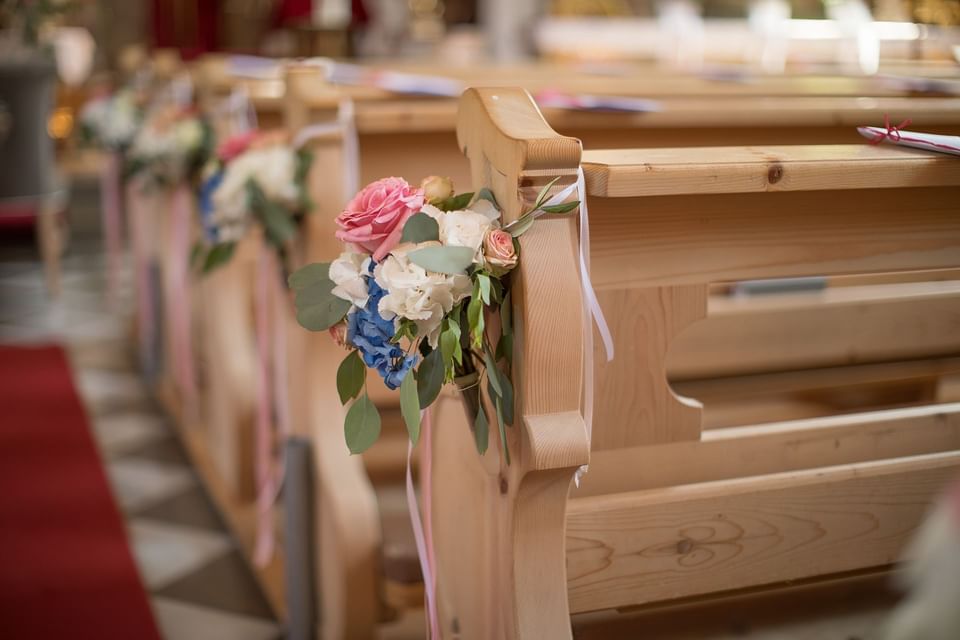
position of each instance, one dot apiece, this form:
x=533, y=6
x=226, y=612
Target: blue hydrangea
x=370, y=333
x=207, y=188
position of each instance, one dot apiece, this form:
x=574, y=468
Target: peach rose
x=374, y=219
x=339, y=334
x=498, y=251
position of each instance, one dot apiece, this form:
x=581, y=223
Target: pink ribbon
x=915, y=139
x=179, y=306
x=423, y=529
x=141, y=255
x=112, y=220
x=271, y=397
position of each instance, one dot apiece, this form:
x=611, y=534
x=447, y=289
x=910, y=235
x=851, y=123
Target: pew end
x=670, y=510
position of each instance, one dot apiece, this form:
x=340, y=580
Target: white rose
x=349, y=272
x=422, y=296
x=276, y=172
x=465, y=229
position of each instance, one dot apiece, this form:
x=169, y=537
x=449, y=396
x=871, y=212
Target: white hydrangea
x=465, y=228
x=422, y=296
x=273, y=168
x=350, y=272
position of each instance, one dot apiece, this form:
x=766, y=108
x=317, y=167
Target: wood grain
x=627, y=173
x=644, y=546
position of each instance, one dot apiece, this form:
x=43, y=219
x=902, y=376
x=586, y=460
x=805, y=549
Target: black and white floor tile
x=199, y=584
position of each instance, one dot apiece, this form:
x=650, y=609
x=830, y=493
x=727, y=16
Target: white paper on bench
x=916, y=139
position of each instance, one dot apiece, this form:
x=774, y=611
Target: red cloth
x=65, y=568
x=293, y=11
x=187, y=25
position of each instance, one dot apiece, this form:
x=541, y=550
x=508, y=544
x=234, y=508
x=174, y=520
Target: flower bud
x=436, y=189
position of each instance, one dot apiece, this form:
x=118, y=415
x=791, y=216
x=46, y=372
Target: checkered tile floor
x=199, y=585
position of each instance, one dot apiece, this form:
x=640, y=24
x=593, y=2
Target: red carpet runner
x=65, y=568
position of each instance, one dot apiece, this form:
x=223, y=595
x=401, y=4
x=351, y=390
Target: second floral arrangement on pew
x=257, y=177
x=422, y=295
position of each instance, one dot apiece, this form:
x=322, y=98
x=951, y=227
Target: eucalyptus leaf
x=505, y=348
x=483, y=282
x=420, y=228
x=542, y=196
x=308, y=275
x=410, y=406
x=454, y=328
x=506, y=314
x=475, y=319
x=521, y=225
x=507, y=398
x=565, y=207
x=350, y=376
x=317, y=308
x=362, y=425
x=430, y=375
x=486, y=194
x=493, y=374
x=449, y=341
x=448, y=260
x=503, y=430
x=481, y=431
x=455, y=203
x=197, y=253
x=218, y=256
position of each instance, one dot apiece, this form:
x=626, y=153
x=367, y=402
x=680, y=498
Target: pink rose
x=498, y=252
x=235, y=145
x=374, y=219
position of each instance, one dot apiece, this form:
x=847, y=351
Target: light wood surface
x=709, y=170
x=668, y=510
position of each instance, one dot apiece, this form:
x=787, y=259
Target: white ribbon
x=239, y=109
x=346, y=126
x=591, y=306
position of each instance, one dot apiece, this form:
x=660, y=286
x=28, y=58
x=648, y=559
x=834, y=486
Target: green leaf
x=197, y=253
x=481, y=431
x=566, y=207
x=521, y=225
x=455, y=203
x=483, y=282
x=406, y=329
x=410, y=406
x=308, y=275
x=317, y=308
x=493, y=374
x=506, y=315
x=449, y=260
x=449, y=341
x=454, y=328
x=507, y=398
x=278, y=224
x=420, y=228
x=505, y=348
x=503, y=430
x=350, y=376
x=486, y=194
x=218, y=255
x=362, y=425
x=542, y=196
x=430, y=375
x=475, y=319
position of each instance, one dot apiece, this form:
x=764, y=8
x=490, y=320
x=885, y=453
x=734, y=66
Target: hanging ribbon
x=139, y=234
x=272, y=398
x=422, y=529
x=112, y=220
x=346, y=127
x=179, y=309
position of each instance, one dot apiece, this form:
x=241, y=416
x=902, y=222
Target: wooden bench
x=669, y=510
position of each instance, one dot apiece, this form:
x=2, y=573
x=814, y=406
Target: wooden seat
x=669, y=510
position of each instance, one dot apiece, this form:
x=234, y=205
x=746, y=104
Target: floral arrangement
x=172, y=145
x=256, y=177
x=416, y=296
x=112, y=121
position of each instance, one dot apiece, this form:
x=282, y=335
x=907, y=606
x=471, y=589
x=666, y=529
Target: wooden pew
x=669, y=510
x=352, y=519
